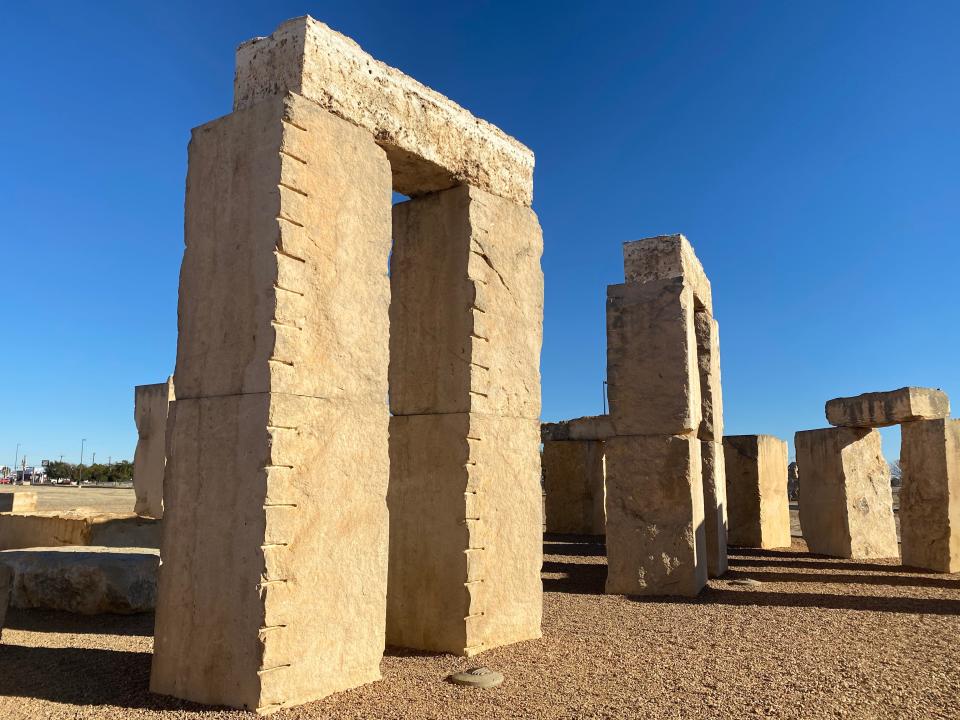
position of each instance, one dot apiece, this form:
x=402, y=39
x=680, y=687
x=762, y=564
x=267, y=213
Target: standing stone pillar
x=710, y=433
x=573, y=481
x=465, y=501
x=272, y=590
x=150, y=409
x=656, y=540
x=846, y=505
x=759, y=511
x=930, y=495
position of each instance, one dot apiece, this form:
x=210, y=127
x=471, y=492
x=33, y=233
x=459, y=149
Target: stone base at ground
x=930, y=495
x=86, y=580
x=573, y=481
x=656, y=542
x=77, y=527
x=714, y=506
x=757, y=507
x=880, y=409
x=18, y=502
x=846, y=504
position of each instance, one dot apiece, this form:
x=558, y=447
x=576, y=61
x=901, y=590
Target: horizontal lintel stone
x=880, y=409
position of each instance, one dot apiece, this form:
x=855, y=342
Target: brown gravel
x=819, y=638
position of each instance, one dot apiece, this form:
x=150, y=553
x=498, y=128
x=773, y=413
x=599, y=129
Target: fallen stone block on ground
x=18, y=502
x=77, y=527
x=86, y=580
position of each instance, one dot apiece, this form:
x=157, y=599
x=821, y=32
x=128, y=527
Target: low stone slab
x=5, y=578
x=846, y=504
x=591, y=427
x=86, y=580
x=18, y=501
x=930, y=495
x=880, y=409
x=77, y=527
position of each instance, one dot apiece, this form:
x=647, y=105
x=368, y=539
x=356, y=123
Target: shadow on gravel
x=817, y=564
x=948, y=583
x=54, y=621
x=870, y=603
x=83, y=676
x=580, y=545
x=581, y=578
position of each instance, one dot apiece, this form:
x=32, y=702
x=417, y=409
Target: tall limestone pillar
x=272, y=590
x=465, y=498
x=656, y=542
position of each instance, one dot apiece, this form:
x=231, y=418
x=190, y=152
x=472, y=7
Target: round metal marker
x=477, y=677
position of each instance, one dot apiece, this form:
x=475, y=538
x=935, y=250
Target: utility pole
x=15, y=456
x=80, y=467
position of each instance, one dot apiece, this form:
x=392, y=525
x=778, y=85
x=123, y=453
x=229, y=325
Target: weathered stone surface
x=880, y=409
x=573, y=481
x=466, y=316
x=18, y=501
x=284, y=285
x=87, y=580
x=273, y=584
x=6, y=580
x=664, y=257
x=757, y=507
x=652, y=372
x=151, y=404
x=714, y=506
x=656, y=541
x=465, y=532
x=591, y=427
x=433, y=143
x=846, y=505
x=930, y=495
x=708, y=363
x=77, y=527
x=793, y=481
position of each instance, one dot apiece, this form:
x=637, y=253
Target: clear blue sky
x=810, y=151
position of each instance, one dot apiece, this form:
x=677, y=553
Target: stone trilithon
x=287, y=479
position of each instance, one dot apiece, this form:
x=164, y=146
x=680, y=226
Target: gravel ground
x=819, y=638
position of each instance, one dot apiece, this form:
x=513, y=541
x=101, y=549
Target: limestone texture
x=284, y=283
x=652, y=371
x=757, y=507
x=930, y=495
x=466, y=315
x=713, y=471
x=273, y=583
x=86, y=580
x=151, y=405
x=880, y=409
x=656, y=540
x=664, y=257
x=77, y=527
x=592, y=427
x=708, y=364
x=272, y=590
x=573, y=482
x=18, y=502
x=846, y=504
x=6, y=580
x=432, y=142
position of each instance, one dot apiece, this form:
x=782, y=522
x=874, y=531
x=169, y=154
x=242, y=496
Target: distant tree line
x=121, y=471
